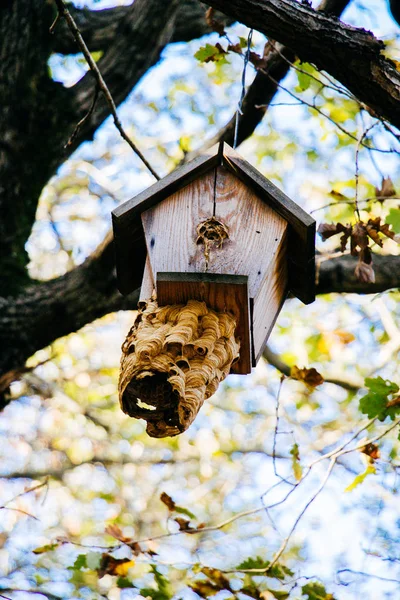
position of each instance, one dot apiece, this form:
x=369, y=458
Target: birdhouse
x=217, y=248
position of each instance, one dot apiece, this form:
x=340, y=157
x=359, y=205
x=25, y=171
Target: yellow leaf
x=360, y=478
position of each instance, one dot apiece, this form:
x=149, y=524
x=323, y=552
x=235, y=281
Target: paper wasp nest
x=173, y=359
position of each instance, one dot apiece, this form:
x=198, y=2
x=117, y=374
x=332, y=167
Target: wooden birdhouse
x=217, y=248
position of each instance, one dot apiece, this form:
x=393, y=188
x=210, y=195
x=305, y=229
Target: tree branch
x=351, y=55
x=99, y=27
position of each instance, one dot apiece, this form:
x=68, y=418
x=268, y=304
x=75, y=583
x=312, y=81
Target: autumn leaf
x=372, y=451
x=237, y=48
x=114, y=566
x=204, y=589
x=364, y=272
x=46, y=548
x=214, y=23
x=116, y=533
x=360, y=478
x=217, y=577
x=184, y=524
x=310, y=377
x=386, y=190
x=327, y=230
x=297, y=470
x=210, y=53
x=169, y=503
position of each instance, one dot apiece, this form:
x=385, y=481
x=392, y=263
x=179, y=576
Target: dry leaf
x=114, y=566
x=372, y=451
x=116, y=533
x=345, y=336
x=169, y=503
x=235, y=48
x=184, y=524
x=365, y=272
x=217, y=577
x=310, y=377
x=214, y=23
x=386, y=190
x=327, y=230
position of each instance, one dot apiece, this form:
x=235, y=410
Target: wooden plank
x=129, y=240
x=148, y=286
x=301, y=243
x=255, y=231
x=223, y=293
x=171, y=227
x=268, y=303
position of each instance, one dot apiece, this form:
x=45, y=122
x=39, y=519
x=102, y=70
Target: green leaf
x=209, y=53
x=80, y=563
x=163, y=589
x=381, y=386
x=277, y=571
x=393, y=219
x=254, y=563
x=316, y=591
x=184, y=511
x=243, y=42
x=46, y=548
x=360, y=478
x=123, y=582
x=373, y=405
x=297, y=470
x=279, y=594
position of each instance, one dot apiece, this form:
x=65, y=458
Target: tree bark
x=351, y=55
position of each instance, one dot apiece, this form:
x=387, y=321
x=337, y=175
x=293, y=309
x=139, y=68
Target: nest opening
x=174, y=358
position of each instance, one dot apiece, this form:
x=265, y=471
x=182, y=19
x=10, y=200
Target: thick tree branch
x=351, y=55
x=99, y=27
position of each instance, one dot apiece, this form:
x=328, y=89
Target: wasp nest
x=172, y=360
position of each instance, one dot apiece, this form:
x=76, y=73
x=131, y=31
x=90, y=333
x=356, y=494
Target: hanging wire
x=243, y=92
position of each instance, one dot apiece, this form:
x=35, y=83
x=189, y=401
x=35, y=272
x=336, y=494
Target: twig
x=54, y=24
x=364, y=575
x=276, y=431
x=285, y=542
x=84, y=119
x=64, y=12
x=366, y=201
x=321, y=112
x=360, y=141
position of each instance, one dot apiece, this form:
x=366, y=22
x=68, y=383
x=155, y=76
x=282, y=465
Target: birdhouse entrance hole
x=223, y=248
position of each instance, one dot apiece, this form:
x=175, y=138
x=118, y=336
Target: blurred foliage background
x=77, y=474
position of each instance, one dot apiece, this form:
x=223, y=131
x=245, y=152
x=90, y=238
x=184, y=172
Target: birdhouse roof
x=129, y=237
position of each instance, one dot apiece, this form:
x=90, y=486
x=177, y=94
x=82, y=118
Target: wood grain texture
x=147, y=288
x=255, y=230
x=301, y=241
x=222, y=293
x=268, y=303
x=130, y=247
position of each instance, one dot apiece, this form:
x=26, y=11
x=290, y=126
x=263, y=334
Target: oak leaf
x=386, y=190
x=310, y=377
x=169, y=503
x=214, y=23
